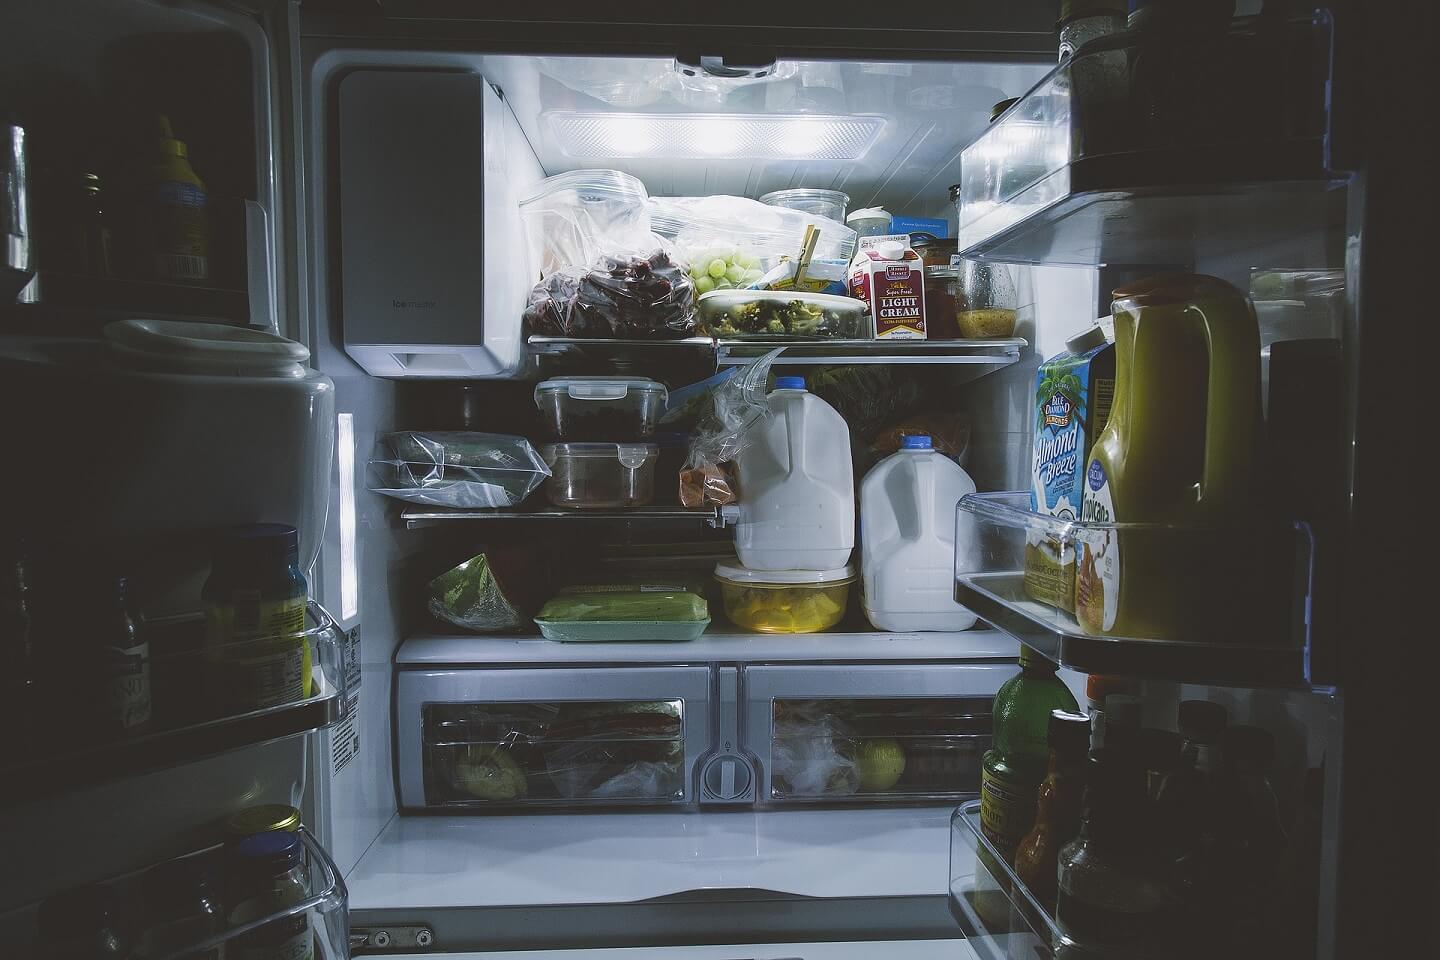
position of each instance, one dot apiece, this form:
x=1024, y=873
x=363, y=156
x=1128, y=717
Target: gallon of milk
x=908, y=543
x=797, y=488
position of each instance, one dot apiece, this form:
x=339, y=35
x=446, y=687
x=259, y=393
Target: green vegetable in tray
x=782, y=318
x=626, y=602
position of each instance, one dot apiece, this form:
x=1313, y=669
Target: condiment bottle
x=256, y=648
x=181, y=909
x=1097, y=688
x=270, y=875
x=1108, y=900
x=1015, y=764
x=1057, y=818
x=121, y=662
x=81, y=924
x=178, y=211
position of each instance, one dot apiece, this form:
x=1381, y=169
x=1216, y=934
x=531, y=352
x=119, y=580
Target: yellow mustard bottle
x=1180, y=450
x=179, y=211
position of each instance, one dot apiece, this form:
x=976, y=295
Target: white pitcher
x=797, y=488
x=907, y=545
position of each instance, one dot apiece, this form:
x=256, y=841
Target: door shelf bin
x=325, y=908
x=490, y=740
x=1000, y=917
x=189, y=718
x=1217, y=604
x=1153, y=137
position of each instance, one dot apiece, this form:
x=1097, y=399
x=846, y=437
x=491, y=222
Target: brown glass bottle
x=1057, y=819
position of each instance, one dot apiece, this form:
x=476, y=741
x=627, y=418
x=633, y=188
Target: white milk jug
x=907, y=540
x=797, y=486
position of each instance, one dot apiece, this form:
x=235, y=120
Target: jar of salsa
x=934, y=251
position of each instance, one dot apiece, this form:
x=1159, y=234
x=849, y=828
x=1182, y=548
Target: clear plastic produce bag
x=470, y=596
x=456, y=469
x=737, y=404
x=645, y=297
x=810, y=759
x=732, y=241
x=574, y=219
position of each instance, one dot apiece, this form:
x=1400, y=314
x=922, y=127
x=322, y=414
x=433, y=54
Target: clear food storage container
x=618, y=409
x=824, y=203
x=783, y=315
x=784, y=601
x=599, y=476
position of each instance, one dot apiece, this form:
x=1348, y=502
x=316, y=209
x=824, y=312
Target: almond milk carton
x=887, y=274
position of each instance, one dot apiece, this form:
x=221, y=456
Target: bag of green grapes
x=734, y=242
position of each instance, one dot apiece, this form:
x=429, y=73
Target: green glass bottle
x=1015, y=763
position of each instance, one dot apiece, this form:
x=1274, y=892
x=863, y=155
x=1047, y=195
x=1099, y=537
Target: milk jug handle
x=925, y=490
x=1231, y=413
x=795, y=438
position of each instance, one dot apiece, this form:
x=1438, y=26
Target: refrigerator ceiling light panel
x=701, y=136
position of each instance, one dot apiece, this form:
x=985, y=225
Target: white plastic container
x=908, y=550
x=797, y=488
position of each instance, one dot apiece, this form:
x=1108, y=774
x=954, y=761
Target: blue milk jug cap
x=789, y=383
x=916, y=441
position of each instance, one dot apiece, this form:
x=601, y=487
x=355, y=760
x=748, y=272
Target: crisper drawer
x=501, y=739
x=839, y=734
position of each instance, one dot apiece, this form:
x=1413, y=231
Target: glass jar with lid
x=270, y=876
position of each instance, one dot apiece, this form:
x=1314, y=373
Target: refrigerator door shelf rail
x=1234, y=601
x=65, y=757
x=325, y=906
x=416, y=517
x=704, y=351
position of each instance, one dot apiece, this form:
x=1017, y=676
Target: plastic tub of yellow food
x=784, y=601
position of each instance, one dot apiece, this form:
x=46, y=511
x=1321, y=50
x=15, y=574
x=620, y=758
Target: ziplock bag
x=456, y=469
x=737, y=404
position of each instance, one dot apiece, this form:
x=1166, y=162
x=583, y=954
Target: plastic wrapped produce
x=624, y=612
x=810, y=757
x=456, y=469
x=573, y=219
x=599, y=749
x=731, y=241
x=646, y=297
x=472, y=595
x=737, y=404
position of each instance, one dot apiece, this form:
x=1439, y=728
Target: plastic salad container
x=783, y=315
x=455, y=469
x=624, y=612
x=824, y=203
x=599, y=476
x=619, y=409
x=784, y=601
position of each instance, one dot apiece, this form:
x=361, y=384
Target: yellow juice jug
x=1180, y=450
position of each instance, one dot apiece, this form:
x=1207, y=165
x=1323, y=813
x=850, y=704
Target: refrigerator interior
x=819, y=863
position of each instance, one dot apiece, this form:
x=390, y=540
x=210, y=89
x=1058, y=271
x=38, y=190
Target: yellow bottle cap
x=262, y=819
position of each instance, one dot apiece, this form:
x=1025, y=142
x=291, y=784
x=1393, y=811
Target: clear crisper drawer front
x=877, y=748
x=1219, y=603
x=869, y=733
x=490, y=740
x=623, y=751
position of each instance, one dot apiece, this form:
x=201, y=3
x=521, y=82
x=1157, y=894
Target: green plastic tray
x=614, y=631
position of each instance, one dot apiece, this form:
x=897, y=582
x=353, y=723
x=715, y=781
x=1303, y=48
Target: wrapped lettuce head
x=488, y=593
x=488, y=773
